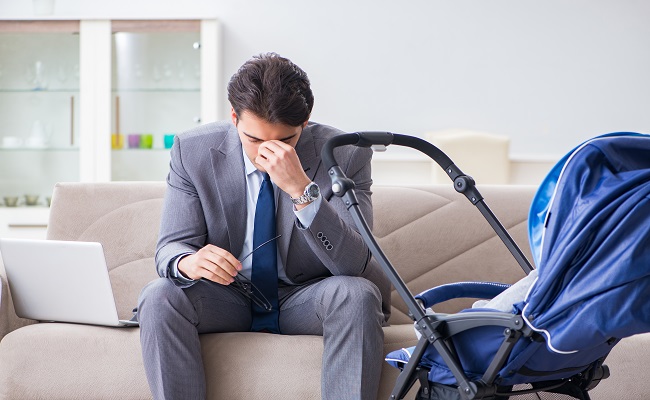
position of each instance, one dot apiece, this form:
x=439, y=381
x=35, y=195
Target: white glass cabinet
x=39, y=110
x=74, y=93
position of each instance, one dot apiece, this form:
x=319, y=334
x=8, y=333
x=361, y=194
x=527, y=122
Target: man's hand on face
x=281, y=162
x=212, y=263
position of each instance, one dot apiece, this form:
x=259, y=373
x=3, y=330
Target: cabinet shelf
x=138, y=150
x=157, y=90
x=38, y=149
x=44, y=91
x=25, y=207
x=114, y=90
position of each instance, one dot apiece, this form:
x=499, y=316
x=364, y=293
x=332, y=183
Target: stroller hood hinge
x=429, y=329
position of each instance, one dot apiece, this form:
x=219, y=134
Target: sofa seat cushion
x=232, y=357
x=39, y=357
x=80, y=361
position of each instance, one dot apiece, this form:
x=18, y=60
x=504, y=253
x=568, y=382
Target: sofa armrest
x=8, y=319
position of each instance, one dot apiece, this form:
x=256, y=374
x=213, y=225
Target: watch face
x=313, y=190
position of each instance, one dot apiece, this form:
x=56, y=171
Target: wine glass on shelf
x=36, y=75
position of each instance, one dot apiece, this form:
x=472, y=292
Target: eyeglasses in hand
x=244, y=286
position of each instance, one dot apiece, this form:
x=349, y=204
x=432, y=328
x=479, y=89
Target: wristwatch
x=311, y=193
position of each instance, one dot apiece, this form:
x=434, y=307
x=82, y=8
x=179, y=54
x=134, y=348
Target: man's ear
x=233, y=116
x=304, y=124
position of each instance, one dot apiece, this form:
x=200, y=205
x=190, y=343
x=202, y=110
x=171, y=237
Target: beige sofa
x=431, y=234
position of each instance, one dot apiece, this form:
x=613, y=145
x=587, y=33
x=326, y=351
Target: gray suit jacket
x=205, y=203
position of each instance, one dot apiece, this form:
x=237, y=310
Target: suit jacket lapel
x=230, y=184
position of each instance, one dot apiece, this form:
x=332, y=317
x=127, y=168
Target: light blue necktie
x=265, y=270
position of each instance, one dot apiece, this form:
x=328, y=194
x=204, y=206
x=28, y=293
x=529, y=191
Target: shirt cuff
x=176, y=274
x=307, y=214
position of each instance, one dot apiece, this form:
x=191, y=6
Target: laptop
x=62, y=281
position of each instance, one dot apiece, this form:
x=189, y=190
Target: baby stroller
x=589, y=229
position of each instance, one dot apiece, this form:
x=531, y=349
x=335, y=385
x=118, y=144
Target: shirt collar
x=248, y=164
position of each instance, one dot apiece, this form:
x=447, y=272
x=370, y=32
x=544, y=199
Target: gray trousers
x=345, y=310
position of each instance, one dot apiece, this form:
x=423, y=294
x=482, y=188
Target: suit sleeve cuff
x=176, y=274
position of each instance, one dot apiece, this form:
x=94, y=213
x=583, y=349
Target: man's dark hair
x=272, y=88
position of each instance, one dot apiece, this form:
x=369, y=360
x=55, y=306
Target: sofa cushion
x=69, y=361
x=83, y=362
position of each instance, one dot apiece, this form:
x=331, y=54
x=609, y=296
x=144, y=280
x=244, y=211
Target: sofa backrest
x=431, y=234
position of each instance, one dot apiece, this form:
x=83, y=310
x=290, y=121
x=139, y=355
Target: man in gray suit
x=325, y=281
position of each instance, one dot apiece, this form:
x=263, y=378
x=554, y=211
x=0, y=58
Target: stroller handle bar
x=367, y=139
x=360, y=139
x=462, y=183
x=342, y=186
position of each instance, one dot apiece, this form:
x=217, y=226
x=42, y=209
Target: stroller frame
x=437, y=329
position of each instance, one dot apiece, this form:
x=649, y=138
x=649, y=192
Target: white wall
x=546, y=73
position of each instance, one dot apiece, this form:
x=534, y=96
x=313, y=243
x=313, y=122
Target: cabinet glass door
x=156, y=76
x=39, y=109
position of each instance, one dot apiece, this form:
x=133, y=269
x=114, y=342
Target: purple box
x=134, y=141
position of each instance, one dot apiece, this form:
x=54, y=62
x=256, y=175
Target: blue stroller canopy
x=589, y=230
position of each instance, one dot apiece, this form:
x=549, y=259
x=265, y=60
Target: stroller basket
x=444, y=369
